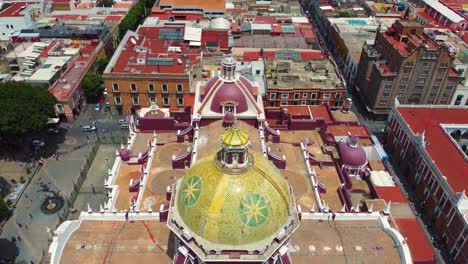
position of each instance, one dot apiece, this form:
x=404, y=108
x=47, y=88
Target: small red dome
x=125, y=154
x=352, y=156
x=228, y=118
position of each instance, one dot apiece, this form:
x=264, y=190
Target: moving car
x=107, y=105
x=98, y=107
x=52, y=131
x=88, y=128
x=36, y=143
x=124, y=125
x=122, y=121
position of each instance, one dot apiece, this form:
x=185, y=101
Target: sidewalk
x=54, y=176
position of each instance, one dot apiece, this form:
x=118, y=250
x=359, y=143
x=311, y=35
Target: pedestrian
x=30, y=200
x=30, y=215
x=56, y=157
x=26, y=226
x=18, y=238
x=20, y=225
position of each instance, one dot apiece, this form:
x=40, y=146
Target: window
x=115, y=87
x=165, y=101
x=284, y=103
x=337, y=96
x=326, y=96
x=152, y=100
x=272, y=96
x=11, y=26
x=164, y=88
x=304, y=95
x=133, y=87
x=304, y=102
x=284, y=95
x=135, y=100
x=59, y=108
x=180, y=101
x=257, y=72
x=296, y=96
x=314, y=95
x=444, y=65
x=7, y=26
x=151, y=88
x=180, y=88
x=117, y=100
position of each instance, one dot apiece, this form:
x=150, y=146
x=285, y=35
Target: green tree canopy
x=23, y=109
x=91, y=86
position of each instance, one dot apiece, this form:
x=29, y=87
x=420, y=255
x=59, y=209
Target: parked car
x=88, y=128
x=98, y=107
x=104, y=92
x=107, y=105
x=52, y=131
x=36, y=143
x=122, y=121
x=124, y=125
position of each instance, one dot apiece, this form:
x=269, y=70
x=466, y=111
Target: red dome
x=125, y=154
x=229, y=92
x=229, y=118
x=352, y=156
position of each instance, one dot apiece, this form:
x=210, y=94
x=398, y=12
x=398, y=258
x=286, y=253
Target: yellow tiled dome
x=234, y=136
x=234, y=209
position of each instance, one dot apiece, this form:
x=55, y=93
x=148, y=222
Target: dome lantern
x=235, y=143
x=229, y=67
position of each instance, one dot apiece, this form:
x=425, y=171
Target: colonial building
x=430, y=144
x=151, y=65
x=405, y=63
x=303, y=82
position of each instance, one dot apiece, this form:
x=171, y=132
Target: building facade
x=146, y=70
x=433, y=160
x=309, y=82
x=404, y=63
x=129, y=92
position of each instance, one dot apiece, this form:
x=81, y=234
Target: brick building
x=405, y=63
x=303, y=82
x=429, y=143
x=151, y=65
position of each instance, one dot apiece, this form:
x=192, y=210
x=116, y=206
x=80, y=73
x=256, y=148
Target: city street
x=56, y=177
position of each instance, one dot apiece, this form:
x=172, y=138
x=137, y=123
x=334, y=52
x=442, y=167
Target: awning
x=192, y=33
x=195, y=43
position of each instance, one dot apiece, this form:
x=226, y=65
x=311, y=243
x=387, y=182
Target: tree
x=91, y=86
x=344, y=13
x=101, y=65
x=23, y=109
x=9, y=251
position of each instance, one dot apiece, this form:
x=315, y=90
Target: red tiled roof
x=265, y=20
x=297, y=110
x=321, y=111
x=236, y=10
x=14, y=10
x=421, y=250
x=343, y=130
x=447, y=158
x=113, y=18
x=313, y=54
x=157, y=48
x=390, y=193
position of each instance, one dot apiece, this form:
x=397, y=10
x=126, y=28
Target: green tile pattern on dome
x=217, y=215
x=191, y=191
x=253, y=209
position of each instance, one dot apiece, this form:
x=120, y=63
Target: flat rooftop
x=353, y=241
x=450, y=161
x=290, y=75
x=15, y=9
x=205, y=4
x=117, y=242
x=154, y=50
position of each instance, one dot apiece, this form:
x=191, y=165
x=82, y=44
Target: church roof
x=234, y=136
x=233, y=210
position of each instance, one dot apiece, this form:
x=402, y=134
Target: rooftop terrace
x=289, y=74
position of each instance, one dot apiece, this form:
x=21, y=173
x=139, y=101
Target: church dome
x=234, y=209
x=353, y=155
x=234, y=137
x=220, y=23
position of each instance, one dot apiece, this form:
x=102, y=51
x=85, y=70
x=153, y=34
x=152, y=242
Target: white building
x=15, y=17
